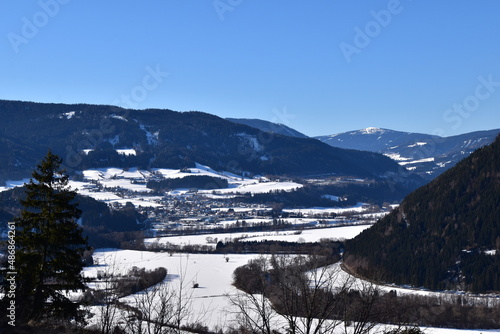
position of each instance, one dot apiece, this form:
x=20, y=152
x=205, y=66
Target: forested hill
x=443, y=235
x=269, y=127
x=90, y=136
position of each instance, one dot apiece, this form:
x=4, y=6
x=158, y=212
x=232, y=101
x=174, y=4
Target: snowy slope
x=427, y=155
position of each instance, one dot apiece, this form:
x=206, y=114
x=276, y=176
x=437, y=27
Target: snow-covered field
x=257, y=187
x=313, y=235
x=308, y=235
x=209, y=303
x=360, y=207
x=293, y=221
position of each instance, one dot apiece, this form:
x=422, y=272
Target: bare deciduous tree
x=304, y=293
x=107, y=298
x=359, y=308
x=160, y=309
x=295, y=293
x=153, y=311
x=307, y=295
x=254, y=311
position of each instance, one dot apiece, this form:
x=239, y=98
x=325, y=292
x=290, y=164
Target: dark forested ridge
x=165, y=138
x=444, y=234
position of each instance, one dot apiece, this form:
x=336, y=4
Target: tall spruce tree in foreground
x=49, y=245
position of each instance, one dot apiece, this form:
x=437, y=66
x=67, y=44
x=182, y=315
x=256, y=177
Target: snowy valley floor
x=208, y=303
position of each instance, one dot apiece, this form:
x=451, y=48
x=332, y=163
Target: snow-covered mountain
x=427, y=155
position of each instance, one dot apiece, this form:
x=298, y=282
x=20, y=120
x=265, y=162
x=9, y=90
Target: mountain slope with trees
x=444, y=235
x=268, y=126
x=88, y=136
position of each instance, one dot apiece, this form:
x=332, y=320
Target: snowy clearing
x=416, y=161
x=257, y=188
x=360, y=207
x=313, y=235
x=212, y=273
x=308, y=235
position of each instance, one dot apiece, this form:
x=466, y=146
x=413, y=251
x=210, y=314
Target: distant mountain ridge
x=426, y=155
x=268, y=127
x=444, y=235
x=91, y=136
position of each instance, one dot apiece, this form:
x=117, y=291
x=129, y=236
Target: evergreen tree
x=49, y=245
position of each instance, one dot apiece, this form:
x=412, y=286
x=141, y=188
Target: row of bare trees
x=306, y=295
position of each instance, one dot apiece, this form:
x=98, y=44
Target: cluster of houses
x=193, y=210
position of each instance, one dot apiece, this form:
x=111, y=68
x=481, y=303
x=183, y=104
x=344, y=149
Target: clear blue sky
x=321, y=67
